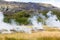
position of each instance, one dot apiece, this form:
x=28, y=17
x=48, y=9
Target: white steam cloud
x=51, y=21
x=6, y=27
x=36, y=25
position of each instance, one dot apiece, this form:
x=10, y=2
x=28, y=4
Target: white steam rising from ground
x=51, y=21
x=36, y=25
x=6, y=27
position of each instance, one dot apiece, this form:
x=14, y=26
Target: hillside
x=18, y=6
x=21, y=11
x=13, y=7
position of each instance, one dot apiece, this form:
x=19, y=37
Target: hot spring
x=51, y=21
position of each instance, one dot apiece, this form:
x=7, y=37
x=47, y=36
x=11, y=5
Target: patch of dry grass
x=47, y=34
x=46, y=28
x=32, y=36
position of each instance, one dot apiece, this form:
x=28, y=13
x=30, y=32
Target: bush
x=20, y=17
x=56, y=12
x=22, y=20
x=6, y=19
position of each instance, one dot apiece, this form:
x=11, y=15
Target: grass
x=48, y=38
x=46, y=28
x=42, y=35
x=48, y=34
x=42, y=38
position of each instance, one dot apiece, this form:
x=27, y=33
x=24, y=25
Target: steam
x=42, y=16
x=36, y=25
x=6, y=27
x=51, y=21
